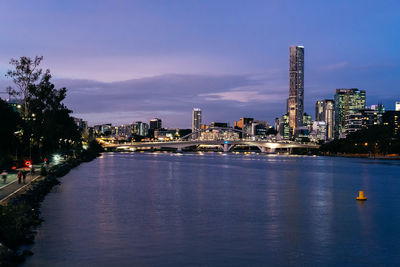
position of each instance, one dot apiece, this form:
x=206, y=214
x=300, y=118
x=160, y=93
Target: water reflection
x=155, y=209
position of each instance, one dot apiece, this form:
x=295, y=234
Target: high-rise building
x=392, y=118
x=307, y=122
x=295, y=102
x=196, y=122
x=155, y=124
x=324, y=111
x=242, y=122
x=397, y=108
x=347, y=102
x=284, y=130
x=318, y=131
x=140, y=128
x=371, y=117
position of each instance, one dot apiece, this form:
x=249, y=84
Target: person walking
x=4, y=176
x=23, y=176
x=19, y=175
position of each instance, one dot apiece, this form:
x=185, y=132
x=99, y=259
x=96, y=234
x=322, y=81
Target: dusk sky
x=124, y=61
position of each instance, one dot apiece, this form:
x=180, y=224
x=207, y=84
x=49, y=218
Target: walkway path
x=12, y=187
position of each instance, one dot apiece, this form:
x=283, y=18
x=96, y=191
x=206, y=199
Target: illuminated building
x=196, y=122
x=219, y=124
x=140, y=128
x=347, y=102
x=318, y=131
x=353, y=123
x=295, y=102
x=392, y=118
x=284, y=129
x=307, y=121
x=324, y=111
x=242, y=122
x=155, y=124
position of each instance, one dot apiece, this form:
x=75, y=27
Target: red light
x=13, y=168
x=28, y=163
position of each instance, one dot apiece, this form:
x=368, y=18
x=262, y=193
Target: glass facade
x=347, y=102
x=196, y=122
x=324, y=111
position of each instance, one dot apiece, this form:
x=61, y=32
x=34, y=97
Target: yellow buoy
x=361, y=196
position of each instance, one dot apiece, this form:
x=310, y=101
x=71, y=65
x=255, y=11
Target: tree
x=52, y=126
x=26, y=73
x=47, y=124
x=9, y=125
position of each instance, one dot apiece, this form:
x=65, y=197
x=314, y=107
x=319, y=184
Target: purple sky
x=123, y=61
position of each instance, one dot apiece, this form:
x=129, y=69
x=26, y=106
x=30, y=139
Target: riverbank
x=21, y=213
x=366, y=156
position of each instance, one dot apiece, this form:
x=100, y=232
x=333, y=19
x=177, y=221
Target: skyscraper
x=295, y=102
x=155, y=123
x=324, y=111
x=397, y=108
x=347, y=102
x=196, y=122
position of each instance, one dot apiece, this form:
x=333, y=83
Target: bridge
x=224, y=142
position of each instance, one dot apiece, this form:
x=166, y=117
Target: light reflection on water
x=156, y=209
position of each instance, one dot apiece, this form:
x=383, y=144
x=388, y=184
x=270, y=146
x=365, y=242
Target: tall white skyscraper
x=196, y=122
x=398, y=106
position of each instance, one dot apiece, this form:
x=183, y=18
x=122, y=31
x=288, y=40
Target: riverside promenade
x=12, y=187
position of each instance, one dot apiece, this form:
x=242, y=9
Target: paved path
x=12, y=186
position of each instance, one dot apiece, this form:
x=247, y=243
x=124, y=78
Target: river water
x=212, y=209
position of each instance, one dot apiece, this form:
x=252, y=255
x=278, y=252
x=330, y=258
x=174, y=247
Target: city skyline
x=231, y=63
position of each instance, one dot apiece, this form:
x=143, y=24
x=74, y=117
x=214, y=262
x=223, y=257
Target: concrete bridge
x=224, y=145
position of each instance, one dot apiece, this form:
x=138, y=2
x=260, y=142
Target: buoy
x=361, y=196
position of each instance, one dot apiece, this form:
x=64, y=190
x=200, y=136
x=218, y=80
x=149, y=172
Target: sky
x=126, y=61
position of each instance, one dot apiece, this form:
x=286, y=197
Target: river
x=213, y=209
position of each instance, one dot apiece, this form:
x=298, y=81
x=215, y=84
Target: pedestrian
x=19, y=175
x=23, y=176
x=4, y=176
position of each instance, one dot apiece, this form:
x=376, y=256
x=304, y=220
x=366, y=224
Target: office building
x=353, y=123
x=372, y=116
x=324, y=111
x=295, y=102
x=392, y=118
x=155, y=124
x=284, y=129
x=307, y=122
x=259, y=129
x=318, y=131
x=347, y=102
x=397, y=106
x=196, y=122
x=140, y=128
x=242, y=122
x=219, y=124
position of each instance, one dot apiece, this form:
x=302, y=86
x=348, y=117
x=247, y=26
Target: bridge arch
x=227, y=129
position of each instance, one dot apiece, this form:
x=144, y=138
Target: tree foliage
x=25, y=73
x=10, y=121
x=47, y=125
x=378, y=139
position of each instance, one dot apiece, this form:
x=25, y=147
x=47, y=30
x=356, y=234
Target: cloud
x=172, y=97
x=244, y=96
x=333, y=67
